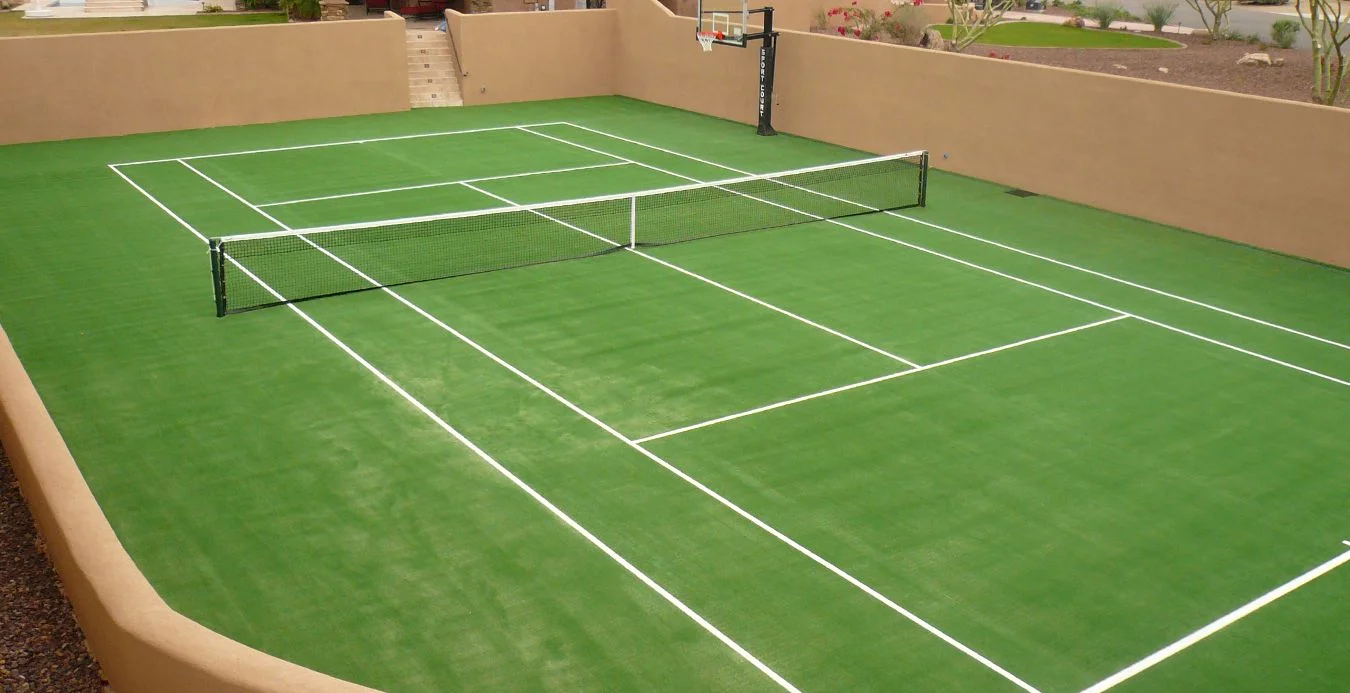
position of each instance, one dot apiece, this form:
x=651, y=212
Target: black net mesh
x=269, y=269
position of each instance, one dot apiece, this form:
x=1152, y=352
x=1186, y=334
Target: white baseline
x=1229, y=619
x=321, y=145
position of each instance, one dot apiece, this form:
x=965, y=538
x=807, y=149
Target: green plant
x=301, y=10
x=1104, y=13
x=1284, y=32
x=1160, y=14
x=822, y=20
x=212, y=9
x=259, y=4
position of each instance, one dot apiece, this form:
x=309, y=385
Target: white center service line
x=1232, y=617
x=519, y=483
x=872, y=381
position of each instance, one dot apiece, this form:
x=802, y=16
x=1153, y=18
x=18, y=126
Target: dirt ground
x=1212, y=65
x=41, y=646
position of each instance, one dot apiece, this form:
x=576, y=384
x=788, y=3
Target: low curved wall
x=142, y=645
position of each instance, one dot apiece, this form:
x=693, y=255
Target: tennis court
x=754, y=414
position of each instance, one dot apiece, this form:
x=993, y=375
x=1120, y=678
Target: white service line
x=872, y=381
x=957, y=260
x=330, y=144
x=725, y=502
x=442, y=184
x=538, y=497
x=1232, y=617
x=711, y=282
x=1103, y=275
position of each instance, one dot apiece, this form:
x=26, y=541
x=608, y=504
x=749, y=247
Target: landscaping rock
x=1118, y=66
x=932, y=39
x=1255, y=59
x=1075, y=22
x=1163, y=70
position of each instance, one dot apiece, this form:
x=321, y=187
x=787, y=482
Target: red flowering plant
x=904, y=24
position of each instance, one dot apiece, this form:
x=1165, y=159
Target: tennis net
x=265, y=269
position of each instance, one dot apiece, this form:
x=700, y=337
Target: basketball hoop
x=705, y=39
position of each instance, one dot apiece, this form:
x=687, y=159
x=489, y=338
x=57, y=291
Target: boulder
x=1255, y=59
x=1075, y=22
x=1163, y=70
x=932, y=39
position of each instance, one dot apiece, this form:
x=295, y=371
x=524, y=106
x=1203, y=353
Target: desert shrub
x=257, y=4
x=904, y=24
x=212, y=9
x=822, y=20
x=1104, y=13
x=1160, y=14
x=302, y=10
x=1284, y=32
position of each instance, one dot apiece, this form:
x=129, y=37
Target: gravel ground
x=1212, y=65
x=41, y=647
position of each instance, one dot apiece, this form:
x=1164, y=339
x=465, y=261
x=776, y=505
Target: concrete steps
x=433, y=79
x=114, y=6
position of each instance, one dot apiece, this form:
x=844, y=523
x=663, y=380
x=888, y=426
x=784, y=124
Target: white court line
x=727, y=503
x=442, y=184
x=960, y=261
x=329, y=144
x=1004, y=246
x=873, y=381
x=538, y=497
x=1228, y=620
x=711, y=282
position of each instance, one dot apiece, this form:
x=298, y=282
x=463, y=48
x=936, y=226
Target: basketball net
x=705, y=39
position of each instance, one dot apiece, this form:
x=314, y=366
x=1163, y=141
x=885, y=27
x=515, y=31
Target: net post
x=768, y=53
x=218, y=276
x=923, y=180
x=632, y=222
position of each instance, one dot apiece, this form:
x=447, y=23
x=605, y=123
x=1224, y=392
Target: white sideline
x=872, y=381
x=485, y=457
x=711, y=282
x=1227, y=620
x=951, y=258
x=328, y=144
x=1004, y=246
x=442, y=184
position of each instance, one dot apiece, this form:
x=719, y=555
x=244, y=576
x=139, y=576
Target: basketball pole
x=768, y=54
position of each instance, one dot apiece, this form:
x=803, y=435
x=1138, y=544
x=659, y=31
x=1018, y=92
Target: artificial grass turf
x=14, y=23
x=1043, y=35
x=300, y=506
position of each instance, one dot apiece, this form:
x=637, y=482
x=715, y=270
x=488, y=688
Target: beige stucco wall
x=1199, y=159
x=529, y=56
x=90, y=85
x=142, y=645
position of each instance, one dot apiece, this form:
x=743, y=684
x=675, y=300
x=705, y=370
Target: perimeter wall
x=140, y=643
x=504, y=56
x=1199, y=159
x=91, y=85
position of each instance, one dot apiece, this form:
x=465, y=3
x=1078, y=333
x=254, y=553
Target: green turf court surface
x=996, y=442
